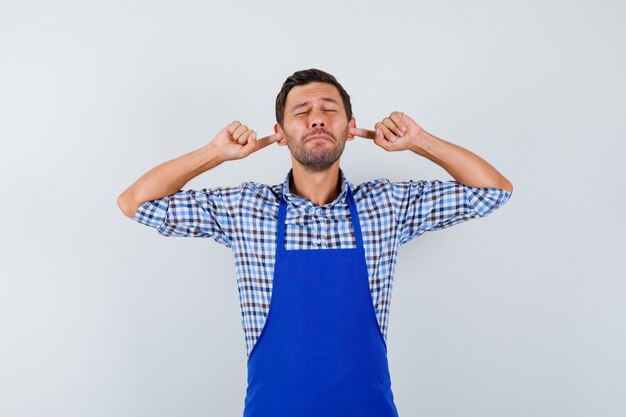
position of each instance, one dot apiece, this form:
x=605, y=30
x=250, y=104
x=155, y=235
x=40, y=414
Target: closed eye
x=327, y=110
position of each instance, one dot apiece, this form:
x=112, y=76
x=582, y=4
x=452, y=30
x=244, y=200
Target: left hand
x=395, y=133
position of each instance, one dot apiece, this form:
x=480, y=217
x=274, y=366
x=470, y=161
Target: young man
x=315, y=255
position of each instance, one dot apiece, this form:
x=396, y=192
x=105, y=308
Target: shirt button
x=319, y=241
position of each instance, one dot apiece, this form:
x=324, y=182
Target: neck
x=318, y=187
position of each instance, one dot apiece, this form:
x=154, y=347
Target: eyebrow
x=305, y=103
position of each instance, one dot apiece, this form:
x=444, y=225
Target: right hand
x=236, y=141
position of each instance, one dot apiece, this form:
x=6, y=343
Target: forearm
x=465, y=166
x=168, y=178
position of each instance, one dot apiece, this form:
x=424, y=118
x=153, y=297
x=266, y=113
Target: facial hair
x=316, y=158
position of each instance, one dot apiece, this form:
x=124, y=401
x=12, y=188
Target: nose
x=317, y=120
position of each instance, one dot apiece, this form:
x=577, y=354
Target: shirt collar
x=297, y=200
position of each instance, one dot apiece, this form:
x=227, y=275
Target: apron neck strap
x=282, y=211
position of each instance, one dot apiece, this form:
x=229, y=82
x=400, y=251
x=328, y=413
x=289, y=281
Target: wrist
x=422, y=143
x=212, y=155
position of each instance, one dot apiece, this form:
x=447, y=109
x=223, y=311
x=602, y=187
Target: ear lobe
x=351, y=129
x=351, y=133
x=280, y=137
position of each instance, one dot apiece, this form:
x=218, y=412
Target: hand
x=395, y=133
x=236, y=141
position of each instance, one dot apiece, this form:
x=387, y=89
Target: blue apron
x=321, y=352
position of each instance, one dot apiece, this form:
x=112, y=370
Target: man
x=315, y=255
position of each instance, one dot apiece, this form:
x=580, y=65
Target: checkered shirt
x=244, y=218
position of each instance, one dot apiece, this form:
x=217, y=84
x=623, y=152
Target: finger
x=265, y=141
x=239, y=131
x=386, y=132
x=381, y=141
x=250, y=146
x=232, y=126
x=393, y=127
x=379, y=134
x=245, y=137
x=364, y=133
x=401, y=122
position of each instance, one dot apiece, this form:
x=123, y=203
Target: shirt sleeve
x=434, y=205
x=193, y=213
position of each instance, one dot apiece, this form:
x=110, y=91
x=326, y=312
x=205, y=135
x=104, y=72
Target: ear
x=280, y=136
x=351, y=128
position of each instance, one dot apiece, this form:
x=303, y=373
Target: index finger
x=364, y=133
x=265, y=141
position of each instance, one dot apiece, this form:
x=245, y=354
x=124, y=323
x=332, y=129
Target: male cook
x=315, y=255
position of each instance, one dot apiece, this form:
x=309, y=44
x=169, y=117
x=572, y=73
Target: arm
x=235, y=141
x=465, y=166
x=167, y=178
x=400, y=132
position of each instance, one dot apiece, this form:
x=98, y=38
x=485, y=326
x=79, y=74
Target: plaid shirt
x=244, y=219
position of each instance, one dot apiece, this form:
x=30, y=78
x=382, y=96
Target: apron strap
x=282, y=211
x=280, y=231
x=356, y=224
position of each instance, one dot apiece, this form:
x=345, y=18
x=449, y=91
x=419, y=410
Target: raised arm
x=399, y=132
x=235, y=141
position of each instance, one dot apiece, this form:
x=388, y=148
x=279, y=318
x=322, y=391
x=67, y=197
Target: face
x=315, y=126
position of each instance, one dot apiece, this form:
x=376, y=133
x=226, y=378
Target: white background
x=521, y=313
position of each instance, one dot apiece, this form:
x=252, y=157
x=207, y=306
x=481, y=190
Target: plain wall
x=520, y=313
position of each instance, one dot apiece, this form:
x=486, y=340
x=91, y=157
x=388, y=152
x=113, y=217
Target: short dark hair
x=306, y=77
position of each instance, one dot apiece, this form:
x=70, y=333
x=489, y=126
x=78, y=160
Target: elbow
x=125, y=203
x=507, y=186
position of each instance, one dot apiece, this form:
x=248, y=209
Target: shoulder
x=260, y=190
x=369, y=188
x=380, y=187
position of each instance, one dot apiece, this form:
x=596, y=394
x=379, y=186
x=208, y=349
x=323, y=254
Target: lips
x=319, y=137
